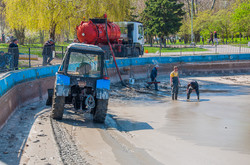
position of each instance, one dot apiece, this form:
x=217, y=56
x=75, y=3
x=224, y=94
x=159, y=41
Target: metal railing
x=181, y=50
x=27, y=57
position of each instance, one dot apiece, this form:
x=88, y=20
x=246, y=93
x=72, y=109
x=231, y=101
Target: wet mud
x=143, y=126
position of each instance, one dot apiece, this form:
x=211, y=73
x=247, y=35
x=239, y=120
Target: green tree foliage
x=203, y=23
x=241, y=16
x=185, y=30
x=162, y=17
x=222, y=23
x=16, y=10
x=55, y=16
x=233, y=19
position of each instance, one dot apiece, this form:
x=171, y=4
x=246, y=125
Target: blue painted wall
x=185, y=59
x=16, y=77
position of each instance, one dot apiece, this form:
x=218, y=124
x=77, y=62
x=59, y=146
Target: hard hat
x=157, y=66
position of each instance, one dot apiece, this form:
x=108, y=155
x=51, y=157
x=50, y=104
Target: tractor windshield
x=84, y=65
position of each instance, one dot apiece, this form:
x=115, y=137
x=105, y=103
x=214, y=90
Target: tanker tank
x=90, y=33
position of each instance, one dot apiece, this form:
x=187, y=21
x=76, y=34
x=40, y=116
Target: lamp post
x=192, y=32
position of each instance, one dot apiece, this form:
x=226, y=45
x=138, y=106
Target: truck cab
x=132, y=33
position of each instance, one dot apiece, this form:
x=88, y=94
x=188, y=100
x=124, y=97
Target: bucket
x=131, y=81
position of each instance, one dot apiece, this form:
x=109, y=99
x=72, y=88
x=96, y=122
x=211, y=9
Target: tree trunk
x=151, y=40
x=197, y=37
x=189, y=11
x=186, y=38
x=196, y=6
x=20, y=35
x=164, y=42
x=41, y=35
x=160, y=45
x=213, y=5
x=52, y=31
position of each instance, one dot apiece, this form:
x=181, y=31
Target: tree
x=185, y=30
x=222, y=23
x=241, y=16
x=15, y=11
x=203, y=24
x=59, y=16
x=162, y=17
x=2, y=15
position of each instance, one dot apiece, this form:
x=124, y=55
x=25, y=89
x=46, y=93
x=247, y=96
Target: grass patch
x=35, y=49
x=155, y=49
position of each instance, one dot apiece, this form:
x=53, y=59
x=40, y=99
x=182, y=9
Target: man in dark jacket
x=211, y=38
x=153, y=76
x=14, y=51
x=193, y=86
x=48, y=49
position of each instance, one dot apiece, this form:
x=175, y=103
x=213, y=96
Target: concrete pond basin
x=144, y=127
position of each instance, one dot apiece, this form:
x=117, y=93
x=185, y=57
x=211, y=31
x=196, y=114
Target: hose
x=117, y=69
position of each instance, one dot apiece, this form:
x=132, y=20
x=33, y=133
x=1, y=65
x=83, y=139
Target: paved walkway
x=219, y=49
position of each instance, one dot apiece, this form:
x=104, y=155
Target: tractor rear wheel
x=100, y=110
x=57, y=107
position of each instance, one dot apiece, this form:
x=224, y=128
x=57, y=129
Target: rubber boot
x=176, y=96
x=172, y=97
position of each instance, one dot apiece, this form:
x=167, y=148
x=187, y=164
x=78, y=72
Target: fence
x=182, y=50
x=28, y=57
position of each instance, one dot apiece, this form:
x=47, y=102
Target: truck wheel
x=57, y=107
x=99, y=113
x=137, y=52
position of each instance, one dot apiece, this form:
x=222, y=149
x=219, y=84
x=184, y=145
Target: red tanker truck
x=126, y=38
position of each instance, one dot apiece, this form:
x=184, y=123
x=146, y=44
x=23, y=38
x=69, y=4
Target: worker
x=14, y=51
x=174, y=82
x=193, y=86
x=153, y=76
x=48, y=49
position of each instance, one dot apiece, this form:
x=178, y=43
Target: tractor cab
x=83, y=62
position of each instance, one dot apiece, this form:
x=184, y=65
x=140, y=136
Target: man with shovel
x=153, y=76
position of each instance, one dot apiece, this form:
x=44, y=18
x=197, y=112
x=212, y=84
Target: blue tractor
x=82, y=82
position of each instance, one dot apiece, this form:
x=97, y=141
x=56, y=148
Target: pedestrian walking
x=14, y=51
x=153, y=77
x=211, y=38
x=193, y=85
x=216, y=37
x=175, y=82
x=48, y=49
